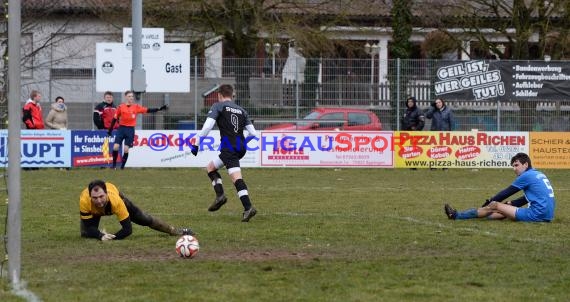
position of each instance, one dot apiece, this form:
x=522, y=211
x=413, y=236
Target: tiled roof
x=346, y=7
x=74, y=5
x=350, y=8
x=370, y=8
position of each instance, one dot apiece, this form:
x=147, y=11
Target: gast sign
x=167, y=65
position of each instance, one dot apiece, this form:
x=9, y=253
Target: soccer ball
x=187, y=246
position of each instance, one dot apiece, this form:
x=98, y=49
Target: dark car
x=335, y=119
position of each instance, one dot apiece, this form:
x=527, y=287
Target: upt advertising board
x=40, y=148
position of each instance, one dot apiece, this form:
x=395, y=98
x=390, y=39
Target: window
x=72, y=73
x=355, y=119
x=336, y=118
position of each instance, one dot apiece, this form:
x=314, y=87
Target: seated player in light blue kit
x=538, y=193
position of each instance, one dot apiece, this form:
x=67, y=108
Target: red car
x=335, y=119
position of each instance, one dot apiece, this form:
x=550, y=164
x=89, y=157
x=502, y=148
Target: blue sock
x=467, y=214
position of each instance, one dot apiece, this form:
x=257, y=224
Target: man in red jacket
x=32, y=112
x=104, y=112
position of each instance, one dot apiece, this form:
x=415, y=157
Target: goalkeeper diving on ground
x=104, y=199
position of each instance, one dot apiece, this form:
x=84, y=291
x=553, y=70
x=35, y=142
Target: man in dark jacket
x=413, y=119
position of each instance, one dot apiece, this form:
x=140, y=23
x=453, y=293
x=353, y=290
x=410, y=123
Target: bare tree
x=532, y=29
x=520, y=22
x=33, y=16
x=245, y=25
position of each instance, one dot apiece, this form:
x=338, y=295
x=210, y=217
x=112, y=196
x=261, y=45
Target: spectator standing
x=32, y=112
x=104, y=112
x=57, y=116
x=441, y=116
x=414, y=118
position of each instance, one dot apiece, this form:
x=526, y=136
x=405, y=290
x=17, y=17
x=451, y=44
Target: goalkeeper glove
x=163, y=107
x=194, y=150
x=487, y=202
x=107, y=236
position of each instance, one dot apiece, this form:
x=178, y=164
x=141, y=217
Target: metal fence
x=297, y=85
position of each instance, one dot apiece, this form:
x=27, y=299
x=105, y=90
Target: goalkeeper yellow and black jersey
x=115, y=206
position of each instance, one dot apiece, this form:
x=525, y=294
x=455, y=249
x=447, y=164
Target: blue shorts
x=524, y=214
x=126, y=134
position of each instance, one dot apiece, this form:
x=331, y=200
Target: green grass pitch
x=319, y=235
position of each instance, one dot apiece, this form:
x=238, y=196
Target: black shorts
x=231, y=158
x=137, y=215
x=126, y=134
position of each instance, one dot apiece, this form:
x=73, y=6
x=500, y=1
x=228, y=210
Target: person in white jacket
x=57, y=116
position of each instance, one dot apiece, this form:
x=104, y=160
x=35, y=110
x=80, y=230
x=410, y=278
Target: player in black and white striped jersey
x=232, y=120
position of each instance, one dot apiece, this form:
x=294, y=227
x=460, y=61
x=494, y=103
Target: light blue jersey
x=539, y=194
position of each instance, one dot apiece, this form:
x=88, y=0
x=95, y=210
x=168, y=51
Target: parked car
x=335, y=119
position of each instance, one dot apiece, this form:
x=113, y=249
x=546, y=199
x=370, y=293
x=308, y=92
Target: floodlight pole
x=138, y=74
x=372, y=50
x=14, y=149
x=272, y=49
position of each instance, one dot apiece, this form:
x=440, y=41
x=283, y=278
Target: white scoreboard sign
x=167, y=69
x=152, y=40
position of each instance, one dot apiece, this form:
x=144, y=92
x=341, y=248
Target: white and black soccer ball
x=187, y=246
